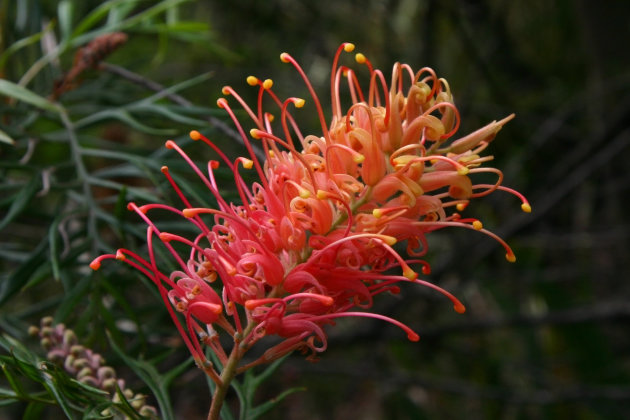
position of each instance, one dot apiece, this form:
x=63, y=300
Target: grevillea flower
x=312, y=241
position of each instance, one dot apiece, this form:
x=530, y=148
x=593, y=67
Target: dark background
x=543, y=338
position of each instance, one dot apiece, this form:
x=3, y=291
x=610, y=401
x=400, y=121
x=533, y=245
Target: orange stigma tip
x=188, y=213
x=225, y=90
x=164, y=169
x=95, y=265
x=526, y=208
x=165, y=237
x=252, y=80
x=195, y=135
x=255, y=133
x=170, y=144
x=378, y=213
x=284, y=57
x=510, y=257
x=348, y=47
x=267, y=84
x=477, y=225
x=360, y=58
x=413, y=337
x=459, y=308
x=120, y=256
x=247, y=163
x=299, y=103
x=221, y=103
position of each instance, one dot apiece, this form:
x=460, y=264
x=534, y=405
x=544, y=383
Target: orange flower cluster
x=313, y=240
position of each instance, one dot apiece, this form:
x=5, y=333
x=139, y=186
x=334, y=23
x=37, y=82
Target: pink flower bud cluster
x=85, y=365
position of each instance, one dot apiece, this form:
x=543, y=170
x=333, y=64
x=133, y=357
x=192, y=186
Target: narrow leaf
x=23, y=94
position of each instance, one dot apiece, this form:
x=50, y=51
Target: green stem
x=229, y=371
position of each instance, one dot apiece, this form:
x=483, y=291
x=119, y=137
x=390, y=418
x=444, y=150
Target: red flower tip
x=170, y=144
x=459, y=308
x=95, y=265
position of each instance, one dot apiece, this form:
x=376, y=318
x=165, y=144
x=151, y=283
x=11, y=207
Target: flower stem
x=229, y=371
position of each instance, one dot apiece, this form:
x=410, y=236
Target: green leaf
x=96, y=15
x=23, y=94
x=5, y=138
x=65, y=11
x=149, y=374
x=24, y=42
x=126, y=117
x=16, y=280
x=20, y=200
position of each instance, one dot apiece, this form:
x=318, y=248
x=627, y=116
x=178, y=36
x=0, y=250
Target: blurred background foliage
x=544, y=338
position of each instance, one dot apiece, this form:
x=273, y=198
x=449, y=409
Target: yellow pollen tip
x=378, y=213
x=461, y=206
x=247, y=163
x=254, y=132
x=321, y=194
x=526, y=208
x=195, y=135
x=252, y=80
x=477, y=225
x=410, y=274
x=304, y=193
x=510, y=257
x=225, y=91
x=358, y=158
x=360, y=58
x=348, y=47
x=267, y=84
x=462, y=170
x=459, y=308
x=299, y=103
x=389, y=240
x=284, y=57
x=272, y=154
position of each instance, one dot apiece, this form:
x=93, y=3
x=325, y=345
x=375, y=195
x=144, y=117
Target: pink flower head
x=313, y=240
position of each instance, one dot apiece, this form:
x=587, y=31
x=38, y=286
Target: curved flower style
x=312, y=240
